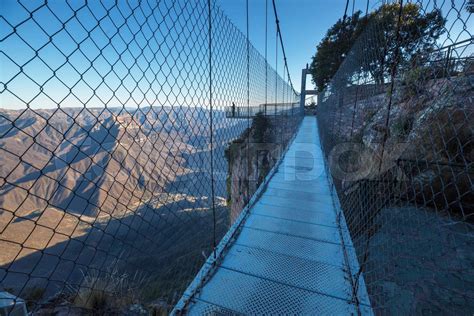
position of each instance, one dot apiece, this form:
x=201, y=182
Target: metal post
x=303, y=87
x=448, y=57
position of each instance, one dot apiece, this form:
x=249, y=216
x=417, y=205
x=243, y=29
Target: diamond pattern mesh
x=395, y=124
x=114, y=123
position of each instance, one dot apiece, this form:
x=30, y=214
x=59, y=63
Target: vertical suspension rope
x=283, y=93
x=279, y=36
x=248, y=102
x=211, y=130
x=363, y=264
x=393, y=72
x=355, y=104
x=338, y=125
x=345, y=12
x=266, y=59
x=276, y=59
x=276, y=71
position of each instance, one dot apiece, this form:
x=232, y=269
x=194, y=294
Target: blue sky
x=104, y=53
x=303, y=24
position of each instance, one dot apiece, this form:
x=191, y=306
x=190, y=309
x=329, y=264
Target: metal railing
x=113, y=138
x=270, y=109
x=395, y=124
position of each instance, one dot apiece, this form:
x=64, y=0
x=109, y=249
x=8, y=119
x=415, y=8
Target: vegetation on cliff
x=418, y=34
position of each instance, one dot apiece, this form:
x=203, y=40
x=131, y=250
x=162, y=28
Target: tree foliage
x=470, y=6
x=383, y=46
x=334, y=47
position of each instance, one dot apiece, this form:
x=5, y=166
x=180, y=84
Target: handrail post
x=304, y=72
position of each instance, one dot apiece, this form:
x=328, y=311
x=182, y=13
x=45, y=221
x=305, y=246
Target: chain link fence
x=115, y=167
x=396, y=128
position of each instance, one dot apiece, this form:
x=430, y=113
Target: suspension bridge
x=292, y=254
x=153, y=161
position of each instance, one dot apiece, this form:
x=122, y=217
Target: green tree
x=334, y=47
x=382, y=48
x=470, y=6
x=417, y=36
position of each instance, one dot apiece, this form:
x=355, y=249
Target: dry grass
x=108, y=292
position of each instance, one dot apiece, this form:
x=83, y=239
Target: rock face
x=430, y=264
x=406, y=189
x=254, y=154
x=428, y=141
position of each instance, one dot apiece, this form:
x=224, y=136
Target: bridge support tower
x=303, y=90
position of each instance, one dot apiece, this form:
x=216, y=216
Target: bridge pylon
x=303, y=90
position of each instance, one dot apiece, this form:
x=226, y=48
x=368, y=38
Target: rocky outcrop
x=254, y=154
x=408, y=199
x=427, y=143
x=426, y=262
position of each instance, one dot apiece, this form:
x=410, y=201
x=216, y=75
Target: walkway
x=289, y=256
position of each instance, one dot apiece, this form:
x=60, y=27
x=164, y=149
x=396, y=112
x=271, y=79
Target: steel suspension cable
x=266, y=57
x=277, y=21
x=276, y=72
x=248, y=101
x=345, y=12
x=214, y=245
x=393, y=72
x=387, y=121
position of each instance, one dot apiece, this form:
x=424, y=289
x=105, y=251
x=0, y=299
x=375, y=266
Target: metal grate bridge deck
x=292, y=254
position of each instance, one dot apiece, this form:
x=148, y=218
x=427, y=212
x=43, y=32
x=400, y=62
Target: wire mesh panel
x=116, y=154
x=396, y=129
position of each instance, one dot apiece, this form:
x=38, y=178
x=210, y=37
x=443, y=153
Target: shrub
x=110, y=291
x=401, y=128
x=260, y=125
x=32, y=296
x=414, y=82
